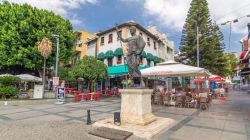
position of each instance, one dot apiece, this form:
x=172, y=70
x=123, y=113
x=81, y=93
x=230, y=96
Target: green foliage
x=9, y=91
x=64, y=74
x=231, y=62
x=9, y=80
x=210, y=43
x=21, y=26
x=90, y=69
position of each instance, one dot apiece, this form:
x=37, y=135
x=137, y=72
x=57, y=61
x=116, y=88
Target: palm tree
x=45, y=48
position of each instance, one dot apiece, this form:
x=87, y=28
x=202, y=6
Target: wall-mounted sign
x=55, y=81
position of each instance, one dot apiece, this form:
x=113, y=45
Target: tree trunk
x=44, y=65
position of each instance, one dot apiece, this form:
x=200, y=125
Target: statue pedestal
x=136, y=106
x=136, y=115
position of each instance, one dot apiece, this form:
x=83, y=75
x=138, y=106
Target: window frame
x=119, y=33
x=110, y=38
x=102, y=42
x=148, y=41
x=110, y=61
x=155, y=45
x=119, y=61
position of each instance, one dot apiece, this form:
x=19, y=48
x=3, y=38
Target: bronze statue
x=136, y=45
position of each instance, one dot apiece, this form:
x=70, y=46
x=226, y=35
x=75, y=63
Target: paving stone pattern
x=225, y=120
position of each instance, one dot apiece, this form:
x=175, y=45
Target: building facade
x=81, y=47
x=166, y=47
x=245, y=59
x=110, y=49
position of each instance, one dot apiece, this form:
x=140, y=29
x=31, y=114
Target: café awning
x=101, y=56
x=173, y=69
x=118, y=51
x=143, y=54
x=109, y=54
x=150, y=56
x=29, y=78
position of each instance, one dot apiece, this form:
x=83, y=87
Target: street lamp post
x=57, y=52
x=57, y=59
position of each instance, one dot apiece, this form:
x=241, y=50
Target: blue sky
x=167, y=15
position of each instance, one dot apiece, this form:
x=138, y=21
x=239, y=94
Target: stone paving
x=225, y=120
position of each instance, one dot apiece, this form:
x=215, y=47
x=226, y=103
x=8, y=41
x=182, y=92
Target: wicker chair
x=189, y=102
x=166, y=99
x=157, y=99
x=203, y=103
x=179, y=101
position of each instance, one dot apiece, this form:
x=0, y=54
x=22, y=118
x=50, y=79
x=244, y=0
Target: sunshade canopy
x=174, y=69
x=101, y=56
x=143, y=54
x=29, y=78
x=109, y=54
x=150, y=56
x=118, y=51
x=121, y=69
x=2, y=75
x=157, y=59
x=211, y=78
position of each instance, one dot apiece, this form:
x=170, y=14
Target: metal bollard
x=88, y=117
x=117, y=118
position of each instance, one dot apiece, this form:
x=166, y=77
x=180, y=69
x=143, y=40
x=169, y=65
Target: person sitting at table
x=189, y=94
x=179, y=92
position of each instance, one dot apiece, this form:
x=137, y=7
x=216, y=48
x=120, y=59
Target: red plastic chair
x=116, y=92
x=108, y=92
x=86, y=97
x=78, y=97
x=96, y=96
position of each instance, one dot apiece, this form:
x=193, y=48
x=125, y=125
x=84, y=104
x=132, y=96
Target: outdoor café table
x=92, y=94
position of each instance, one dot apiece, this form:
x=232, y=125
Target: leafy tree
x=65, y=74
x=211, y=46
x=231, y=63
x=9, y=80
x=8, y=86
x=21, y=26
x=90, y=69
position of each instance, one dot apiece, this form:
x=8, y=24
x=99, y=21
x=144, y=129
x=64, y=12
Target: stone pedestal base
x=136, y=115
x=136, y=106
x=149, y=131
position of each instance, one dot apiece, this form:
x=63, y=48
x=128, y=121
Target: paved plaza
x=225, y=120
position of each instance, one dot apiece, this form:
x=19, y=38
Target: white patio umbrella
x=29, y=78
x=173, y=69
x=2, y=75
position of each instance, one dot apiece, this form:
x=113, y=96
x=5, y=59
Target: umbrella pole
x=25, y=86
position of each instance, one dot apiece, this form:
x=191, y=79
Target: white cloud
x=76, y=21
x=172, y=13
x=61, y=7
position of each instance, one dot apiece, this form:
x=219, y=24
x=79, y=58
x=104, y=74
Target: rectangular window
x=148, y=41
x=110, y=62
x=102, y=41
x=154, y=45
x=119, y=35
x=110, y=38
x=119, y=59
